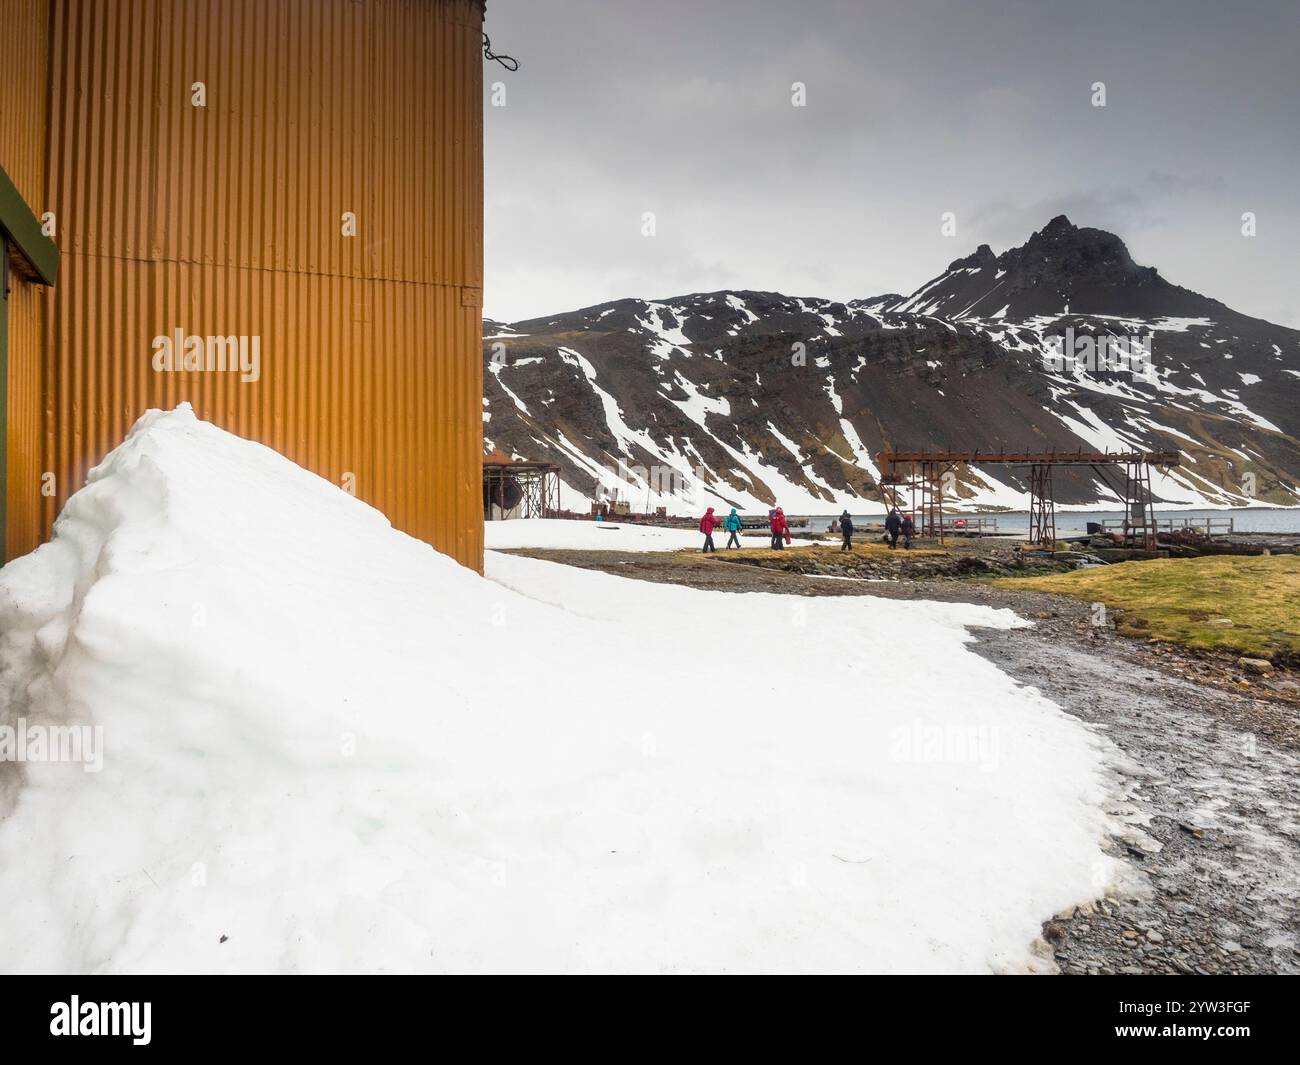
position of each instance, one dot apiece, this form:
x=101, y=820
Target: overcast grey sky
x=914, y=107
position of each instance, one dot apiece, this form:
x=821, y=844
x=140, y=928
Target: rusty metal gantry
x=924, y=484
x=1042, y=504
x=926, y=470
x=532, y=487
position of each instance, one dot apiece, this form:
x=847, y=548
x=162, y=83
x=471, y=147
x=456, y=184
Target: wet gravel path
x=1213, y=803
x=1207, y=779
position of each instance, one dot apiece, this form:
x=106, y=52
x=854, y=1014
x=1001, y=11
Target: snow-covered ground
x=589, y=535
x=327, y=747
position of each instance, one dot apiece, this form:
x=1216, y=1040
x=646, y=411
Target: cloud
x=977, y=107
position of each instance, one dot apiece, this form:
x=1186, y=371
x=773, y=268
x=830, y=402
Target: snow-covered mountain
x=755, y=398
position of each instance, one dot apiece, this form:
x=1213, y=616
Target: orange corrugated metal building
x=304, y=174
x=24, y=54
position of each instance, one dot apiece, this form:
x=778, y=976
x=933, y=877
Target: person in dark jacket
x=893, y=526
x=846, y=528
x=707, y=524
x=732, y=524
x=909, y=530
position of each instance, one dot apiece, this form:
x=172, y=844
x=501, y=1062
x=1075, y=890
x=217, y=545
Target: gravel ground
x=1213, y=801
x=1207, y=779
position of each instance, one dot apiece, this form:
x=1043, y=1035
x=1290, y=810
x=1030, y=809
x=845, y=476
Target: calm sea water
x=1074, y=522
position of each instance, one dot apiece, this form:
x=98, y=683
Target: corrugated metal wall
x=24, y=53
x=226, y=220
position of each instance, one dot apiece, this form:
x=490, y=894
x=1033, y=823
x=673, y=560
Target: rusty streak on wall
x=226, y=220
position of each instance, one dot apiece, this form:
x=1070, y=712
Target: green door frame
x=23, y=247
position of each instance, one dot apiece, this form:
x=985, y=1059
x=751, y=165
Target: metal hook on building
x=506, y=61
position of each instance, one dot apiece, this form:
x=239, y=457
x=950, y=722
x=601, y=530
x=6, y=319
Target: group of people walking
x=776, y=521
x=895, y=525
x=731, y=523
x=780, y=529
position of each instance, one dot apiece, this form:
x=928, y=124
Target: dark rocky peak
x=981, y=257
x=1088, y=270
x=1063, y=248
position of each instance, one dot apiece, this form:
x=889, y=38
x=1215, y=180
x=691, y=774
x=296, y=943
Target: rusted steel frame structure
x=926, y=469
x=924, y=484
x=538, y=484
x=930, y=488
x=1042, y=504
x=1139, y=508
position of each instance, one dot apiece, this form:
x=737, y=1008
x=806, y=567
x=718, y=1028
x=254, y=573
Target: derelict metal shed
x=302, y=179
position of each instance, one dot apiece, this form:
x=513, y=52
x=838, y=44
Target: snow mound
x=328, y=748
x=611, y=535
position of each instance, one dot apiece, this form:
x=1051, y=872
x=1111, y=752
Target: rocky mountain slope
x=755, y=398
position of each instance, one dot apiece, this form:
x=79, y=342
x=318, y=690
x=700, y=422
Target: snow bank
x=609, y=535
x=334, y=749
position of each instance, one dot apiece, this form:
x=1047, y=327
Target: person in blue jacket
x=732, y=525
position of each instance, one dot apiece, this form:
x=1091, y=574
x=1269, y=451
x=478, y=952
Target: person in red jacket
x=707, y=524
x=780, y=530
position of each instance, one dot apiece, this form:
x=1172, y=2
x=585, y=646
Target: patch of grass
x=1179, y=599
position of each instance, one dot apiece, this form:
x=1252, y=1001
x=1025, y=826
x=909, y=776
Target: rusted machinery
x=518, y=488
x=926, y=474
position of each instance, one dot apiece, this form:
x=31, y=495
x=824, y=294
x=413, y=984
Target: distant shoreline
x=955, y=512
